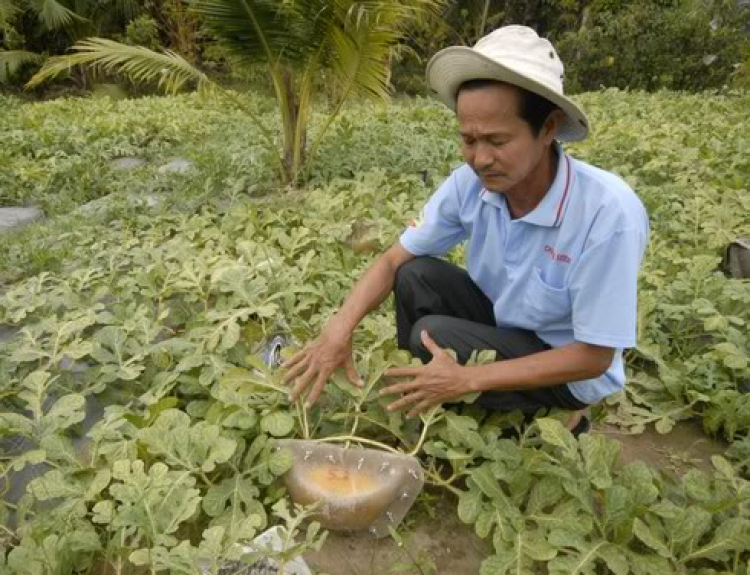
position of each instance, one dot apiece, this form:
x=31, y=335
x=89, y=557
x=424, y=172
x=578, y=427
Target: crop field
x=132, y=320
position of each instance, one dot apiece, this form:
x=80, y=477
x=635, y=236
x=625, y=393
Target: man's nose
x=483, y=157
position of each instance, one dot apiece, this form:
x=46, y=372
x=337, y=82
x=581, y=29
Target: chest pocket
x=546, y=307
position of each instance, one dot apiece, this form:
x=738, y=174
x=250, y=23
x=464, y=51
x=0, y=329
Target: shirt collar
x=551, y=209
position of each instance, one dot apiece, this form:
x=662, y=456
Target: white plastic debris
x=709, y=59
x=270, y=541
x=126, y=164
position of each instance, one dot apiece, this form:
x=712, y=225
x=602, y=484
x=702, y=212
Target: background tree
x=32, y=30
x=677, y=45
x=647, y=44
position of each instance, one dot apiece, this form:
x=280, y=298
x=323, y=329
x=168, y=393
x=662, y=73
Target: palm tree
x=297, y=40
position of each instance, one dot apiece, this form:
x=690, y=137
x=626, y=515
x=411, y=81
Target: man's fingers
x=401, y=388
x=351, y=373
x=430, y=344
x=317, y=389
x=404, y=401
x=296, y=358
x=301, y=383
x=402, y=372
x=299, y=368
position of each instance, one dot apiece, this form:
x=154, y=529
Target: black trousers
x=434, y=295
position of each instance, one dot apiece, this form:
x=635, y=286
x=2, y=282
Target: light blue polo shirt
x=568, y=270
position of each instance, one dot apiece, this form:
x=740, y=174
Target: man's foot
x=579, y=422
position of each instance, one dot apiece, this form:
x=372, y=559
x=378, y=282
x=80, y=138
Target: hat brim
x=451, y=67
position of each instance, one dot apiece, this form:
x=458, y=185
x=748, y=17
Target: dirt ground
x=436, y=542
x=685, y=447
x=435, y=538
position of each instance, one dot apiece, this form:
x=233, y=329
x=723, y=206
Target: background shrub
x=648, y=46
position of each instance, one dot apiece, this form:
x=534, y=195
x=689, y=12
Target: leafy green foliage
x=166, y=309
x=553, y=501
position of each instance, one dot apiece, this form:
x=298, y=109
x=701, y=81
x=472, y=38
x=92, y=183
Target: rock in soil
x=15, y=218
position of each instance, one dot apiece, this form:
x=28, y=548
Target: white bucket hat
x=512, y=54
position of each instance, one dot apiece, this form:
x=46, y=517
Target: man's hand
x=439, y=381
x=317, y=361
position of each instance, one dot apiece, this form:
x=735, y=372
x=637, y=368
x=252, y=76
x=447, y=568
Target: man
x=554, y=247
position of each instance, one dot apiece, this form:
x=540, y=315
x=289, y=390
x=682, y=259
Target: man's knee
x=435, y=325
x=418, y=269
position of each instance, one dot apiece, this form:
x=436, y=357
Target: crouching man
x=553, y=247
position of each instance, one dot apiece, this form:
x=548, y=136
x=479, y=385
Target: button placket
x=513, y=241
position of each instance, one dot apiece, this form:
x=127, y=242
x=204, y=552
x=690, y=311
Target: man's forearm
x=572, y=362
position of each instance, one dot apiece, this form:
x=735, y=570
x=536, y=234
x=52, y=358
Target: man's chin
x=497, y=185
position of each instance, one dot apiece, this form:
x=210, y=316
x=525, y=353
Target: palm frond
x=360, y=46
x=8, y=9
x=53, y=14
x=169, y=70
x=12, y=60
x=258, y=30
x=363, y=43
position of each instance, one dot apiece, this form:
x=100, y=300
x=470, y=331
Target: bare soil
x=686, y=447
x=435, y=541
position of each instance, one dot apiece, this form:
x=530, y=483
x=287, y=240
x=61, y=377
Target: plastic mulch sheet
x=14, y=483
x=737, y=258
x=357, y=489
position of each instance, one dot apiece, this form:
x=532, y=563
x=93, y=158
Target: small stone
x=149, y=200
x=152, y=201
x=94, y=207
x=177, y=166
x=16, y=218
x=125, y=164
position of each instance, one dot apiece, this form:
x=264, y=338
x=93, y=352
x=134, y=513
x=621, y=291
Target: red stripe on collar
x=565, y=192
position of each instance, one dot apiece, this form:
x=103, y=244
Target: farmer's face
x=498, y=145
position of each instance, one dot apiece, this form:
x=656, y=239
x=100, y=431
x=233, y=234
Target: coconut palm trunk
x=295, y=131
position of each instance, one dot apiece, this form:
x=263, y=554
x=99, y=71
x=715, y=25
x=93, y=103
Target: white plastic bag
x=357, y=489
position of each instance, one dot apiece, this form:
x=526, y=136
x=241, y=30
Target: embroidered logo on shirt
x=556, y=256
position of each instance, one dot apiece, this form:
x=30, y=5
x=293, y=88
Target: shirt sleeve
x=438, y=227
x=604, y=290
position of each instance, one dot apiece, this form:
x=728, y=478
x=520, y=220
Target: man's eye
x=498, y=143
x=468, y=141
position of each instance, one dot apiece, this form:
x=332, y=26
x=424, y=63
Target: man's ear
x=551, y=125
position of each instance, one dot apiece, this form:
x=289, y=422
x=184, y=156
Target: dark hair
x=532, y=108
